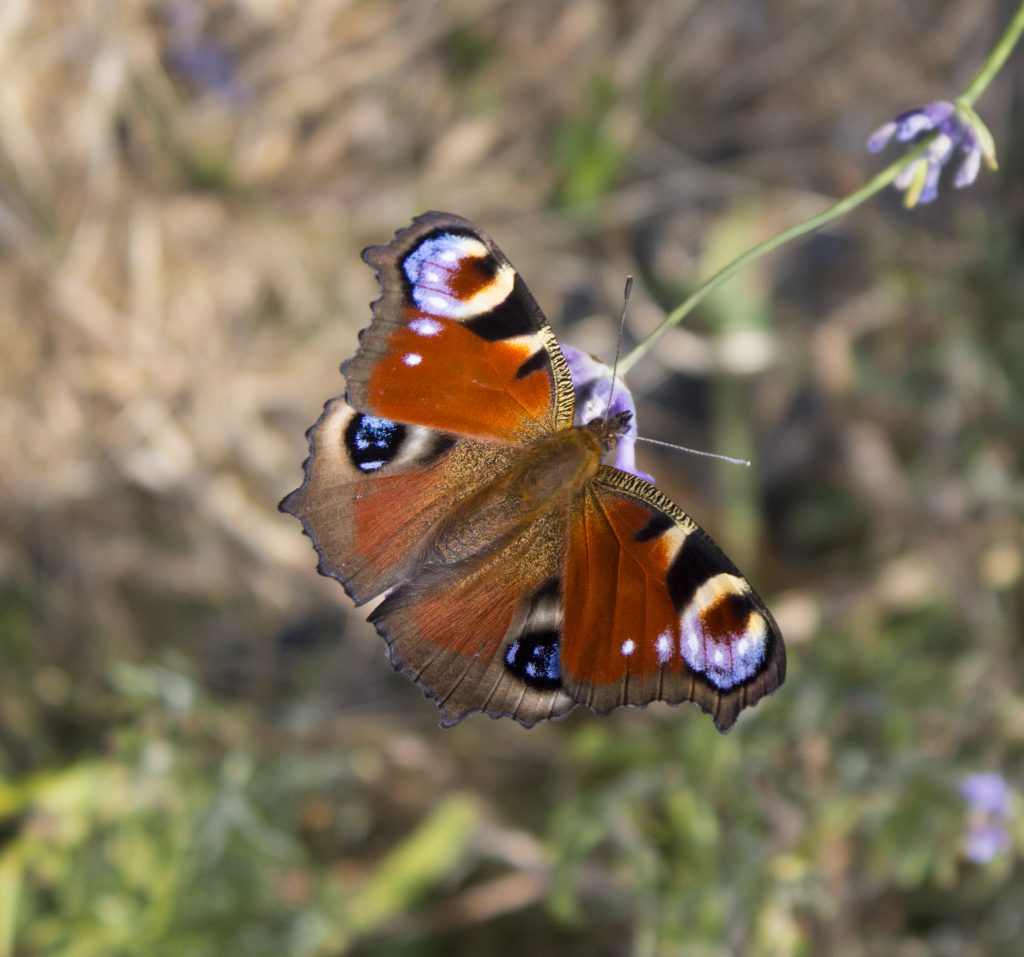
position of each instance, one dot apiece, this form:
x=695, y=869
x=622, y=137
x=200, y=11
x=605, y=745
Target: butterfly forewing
x=457, y=342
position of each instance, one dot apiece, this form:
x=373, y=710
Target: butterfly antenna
x=618, y=345
x=611, y=391
x=707, y=455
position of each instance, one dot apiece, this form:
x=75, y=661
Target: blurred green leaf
x=10, y=887
x=588, y=157
x=425, y=858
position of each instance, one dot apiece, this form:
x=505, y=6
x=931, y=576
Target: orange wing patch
x=438, y=373
x=654, y=610
x=621, y=630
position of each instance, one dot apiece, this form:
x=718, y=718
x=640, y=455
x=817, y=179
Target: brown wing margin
x=654, y=611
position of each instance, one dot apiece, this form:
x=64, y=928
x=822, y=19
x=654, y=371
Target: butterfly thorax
x=546, y=477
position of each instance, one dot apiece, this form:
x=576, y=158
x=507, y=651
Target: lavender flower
x=590, y=382
x=985, y=842
x=987, y=792
x=956, y=126
x=201, y=60
x=989, y=798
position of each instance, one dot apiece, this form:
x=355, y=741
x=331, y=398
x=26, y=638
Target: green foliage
x=187, y=837
x=586, y=152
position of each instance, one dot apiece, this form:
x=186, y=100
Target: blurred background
x=204, y=750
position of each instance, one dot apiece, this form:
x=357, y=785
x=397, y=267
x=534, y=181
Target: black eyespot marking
x=509, y=318
x=439, y=444
x=657, y=525
x=550, y=590
x=698, y=560
x=373, y=442
x=534, y=658
x=536, y=363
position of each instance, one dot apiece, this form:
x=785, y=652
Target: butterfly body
x=544, y=479
x=522, y=575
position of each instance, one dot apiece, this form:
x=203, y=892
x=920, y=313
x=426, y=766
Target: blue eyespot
x=373, y=442
x=535, y=659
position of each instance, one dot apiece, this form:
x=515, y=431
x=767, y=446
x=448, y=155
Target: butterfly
x=522, y=576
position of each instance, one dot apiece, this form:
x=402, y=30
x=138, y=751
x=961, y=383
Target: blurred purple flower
x=987, y=793
x=956, y=126
x=989, y=799
x=590, y=383
x=985, y=842
x=202, y=61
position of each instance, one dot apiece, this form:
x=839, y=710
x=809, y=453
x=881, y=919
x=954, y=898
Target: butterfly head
x=609, y=431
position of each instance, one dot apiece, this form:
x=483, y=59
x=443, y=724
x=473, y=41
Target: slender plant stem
x=837, y=209
x=875, y=185
x=996, y=58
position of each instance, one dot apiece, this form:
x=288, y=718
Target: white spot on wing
x=425, y=327
x=628, y=647
x=412, y=358
x=663, y=646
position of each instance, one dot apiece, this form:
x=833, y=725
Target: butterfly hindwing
x=473, y=638
x=457, y=342
x=374, y=489
x=654, y=611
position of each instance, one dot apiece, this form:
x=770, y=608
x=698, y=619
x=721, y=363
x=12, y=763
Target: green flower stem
x=996, y=58
x=875, y=185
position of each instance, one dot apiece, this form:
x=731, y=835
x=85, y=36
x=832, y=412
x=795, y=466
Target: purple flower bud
x=989, y=799
x=957, y=126
x=968, y=171
x=983, y=843
x=880, y=138
x=930, y=117
x=201, y=61
x=987, y=793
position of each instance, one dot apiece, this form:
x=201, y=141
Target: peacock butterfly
x=522, y=575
